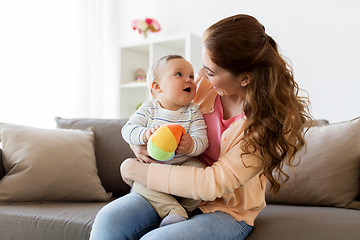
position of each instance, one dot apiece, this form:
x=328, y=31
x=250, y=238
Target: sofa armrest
x=2, y=170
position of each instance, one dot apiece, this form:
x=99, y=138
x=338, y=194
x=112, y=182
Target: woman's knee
x=106, y=215
x=128, y=217
x=103, y=226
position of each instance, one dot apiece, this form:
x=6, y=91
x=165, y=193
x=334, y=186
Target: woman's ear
x=156, y=87
x=245, y=79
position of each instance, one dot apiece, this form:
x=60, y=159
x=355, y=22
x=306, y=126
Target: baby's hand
x=148, y=133
x=186, y=144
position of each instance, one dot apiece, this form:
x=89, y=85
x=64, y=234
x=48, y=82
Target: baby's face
x=176, y=83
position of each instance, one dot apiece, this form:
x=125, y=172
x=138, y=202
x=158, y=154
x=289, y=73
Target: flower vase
x=145, y=34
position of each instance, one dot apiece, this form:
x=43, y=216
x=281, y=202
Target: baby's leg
x=164, y=204
x=188, y=203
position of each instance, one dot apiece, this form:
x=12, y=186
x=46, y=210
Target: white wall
x=39, y=65
x=38, y=62
x=320, y=37
x=58, y=58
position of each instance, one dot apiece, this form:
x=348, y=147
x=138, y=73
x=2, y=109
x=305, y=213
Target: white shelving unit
x=143, y=54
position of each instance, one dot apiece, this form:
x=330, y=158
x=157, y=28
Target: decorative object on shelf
x=145, y=25
x=140, y=75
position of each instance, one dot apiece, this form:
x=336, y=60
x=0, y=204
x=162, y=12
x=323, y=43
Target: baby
x=171, y=82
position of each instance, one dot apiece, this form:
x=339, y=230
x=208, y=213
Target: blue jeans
x=132, y=217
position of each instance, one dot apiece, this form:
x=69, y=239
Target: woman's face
x=223, y=81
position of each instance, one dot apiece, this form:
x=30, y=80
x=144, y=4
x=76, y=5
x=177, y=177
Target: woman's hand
x=142, y=154
x=186, y=144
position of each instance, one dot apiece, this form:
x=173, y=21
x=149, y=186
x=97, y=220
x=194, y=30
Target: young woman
x=255, y=120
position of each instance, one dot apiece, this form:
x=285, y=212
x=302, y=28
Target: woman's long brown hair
x=276, y=114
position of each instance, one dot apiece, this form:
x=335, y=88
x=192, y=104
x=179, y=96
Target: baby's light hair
x=152, y=74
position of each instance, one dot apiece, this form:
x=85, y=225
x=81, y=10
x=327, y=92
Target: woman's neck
x=232, y=106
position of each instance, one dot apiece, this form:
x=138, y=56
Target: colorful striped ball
x=164, y=141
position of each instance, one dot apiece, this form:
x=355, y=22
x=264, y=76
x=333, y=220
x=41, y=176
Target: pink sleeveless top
x=216, y=125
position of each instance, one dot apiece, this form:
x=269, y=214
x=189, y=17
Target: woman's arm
x=130, y=168
x=224, y=176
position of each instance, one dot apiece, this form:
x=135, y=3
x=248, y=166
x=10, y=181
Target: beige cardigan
x=232, y=184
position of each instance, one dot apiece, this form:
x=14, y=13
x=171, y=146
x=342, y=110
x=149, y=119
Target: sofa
x=54, y=181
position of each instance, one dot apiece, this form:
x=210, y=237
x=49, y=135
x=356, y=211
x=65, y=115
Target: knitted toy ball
x=164, y=141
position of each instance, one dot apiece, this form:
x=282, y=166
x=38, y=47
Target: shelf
x=134, y=85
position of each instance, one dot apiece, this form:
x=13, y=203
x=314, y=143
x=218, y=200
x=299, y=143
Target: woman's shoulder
x=205, y=95
x=202, y=84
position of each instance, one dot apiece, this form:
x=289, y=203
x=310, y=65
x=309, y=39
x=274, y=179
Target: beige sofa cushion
x=329, y=170
x=49, y=165
x=110, y=149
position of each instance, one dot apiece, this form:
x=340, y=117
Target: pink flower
x=134, y=24
x=145, y=25
x=148, y=21
x=155, y=26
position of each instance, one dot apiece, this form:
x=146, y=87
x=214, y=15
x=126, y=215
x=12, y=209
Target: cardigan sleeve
x=224, y=176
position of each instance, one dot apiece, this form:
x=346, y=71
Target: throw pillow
x=49, y=165
x=329, y=169
x=110, y=149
